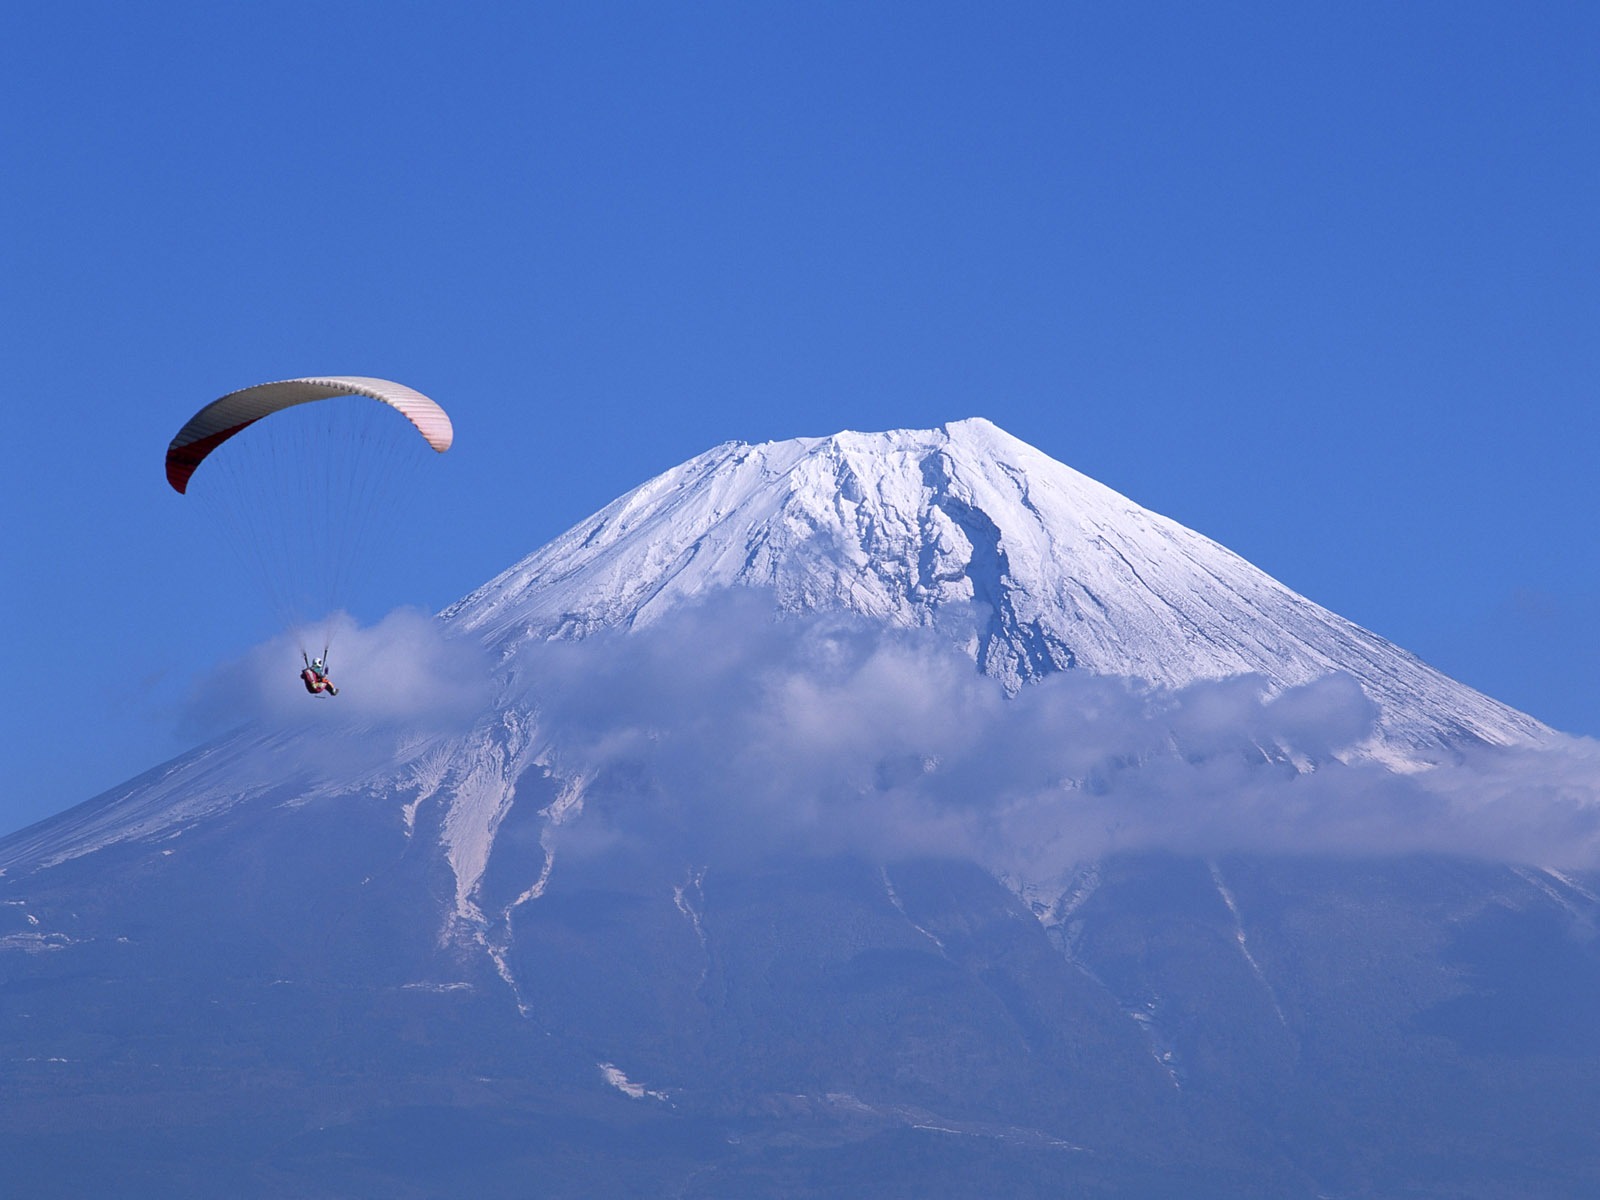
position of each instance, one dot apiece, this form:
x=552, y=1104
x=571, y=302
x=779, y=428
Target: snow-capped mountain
x=466, y=957
x=1057, y=572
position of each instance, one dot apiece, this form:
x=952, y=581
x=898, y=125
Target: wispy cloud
x=731, y=730
x=402, y=670
x=724, y=730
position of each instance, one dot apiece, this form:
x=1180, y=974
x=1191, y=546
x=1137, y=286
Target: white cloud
x=402, y=670
x=726, y=730
x=737, y=731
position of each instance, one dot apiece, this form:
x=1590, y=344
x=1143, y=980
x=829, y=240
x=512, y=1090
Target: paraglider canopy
x=221, y=419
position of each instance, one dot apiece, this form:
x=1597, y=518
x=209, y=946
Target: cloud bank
x=720, y=730
x=731, y=732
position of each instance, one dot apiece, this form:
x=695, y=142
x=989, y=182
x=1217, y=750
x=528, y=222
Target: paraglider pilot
x=315, y=677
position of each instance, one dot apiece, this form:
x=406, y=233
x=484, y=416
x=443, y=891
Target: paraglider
x=315, y=676
x=303, y=477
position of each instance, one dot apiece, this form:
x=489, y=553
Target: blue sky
x=1319, y=280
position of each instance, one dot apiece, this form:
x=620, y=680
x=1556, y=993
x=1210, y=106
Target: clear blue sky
x=1319, y=280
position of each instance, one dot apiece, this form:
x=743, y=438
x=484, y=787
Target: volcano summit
x=886, y=814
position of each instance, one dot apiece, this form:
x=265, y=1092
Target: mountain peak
x=964, y=527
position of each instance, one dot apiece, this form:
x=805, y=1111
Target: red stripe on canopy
x=182, y=460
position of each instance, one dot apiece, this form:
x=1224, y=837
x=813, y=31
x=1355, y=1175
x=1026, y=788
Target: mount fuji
x=891, y=814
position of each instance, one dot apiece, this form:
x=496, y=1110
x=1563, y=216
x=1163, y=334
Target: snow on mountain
x=908, y=526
